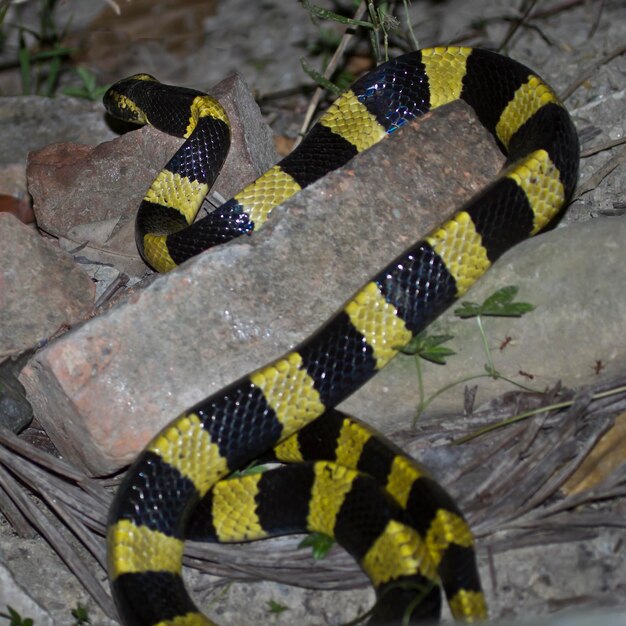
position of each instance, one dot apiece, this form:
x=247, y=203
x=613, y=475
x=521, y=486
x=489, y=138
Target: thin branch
x=332, y=65
x=591, y=70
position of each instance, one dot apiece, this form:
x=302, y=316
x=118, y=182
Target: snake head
x=121, y=102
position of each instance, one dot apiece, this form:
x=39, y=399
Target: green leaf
x=15, y=619
x=23, y=56
x=319, y=543
x=319, y=78
x=81, y=614
x=429, y=347
x=252, y=469
x=55, y=53
x=89, y=89
x=54, y=68
x=276, y=607
x=500, y=303
x=325, y=14
x=88, y=77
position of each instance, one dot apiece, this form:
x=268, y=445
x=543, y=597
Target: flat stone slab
x=14, y=596
x=42, y=290
x=122, y=376
x=87, y=196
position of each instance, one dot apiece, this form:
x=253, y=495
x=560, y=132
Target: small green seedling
x=15, y=619
x=89, y=90
x=501, y=303
x=81, y=615
x=319, y=543
x=276, y=608
x=429, y=347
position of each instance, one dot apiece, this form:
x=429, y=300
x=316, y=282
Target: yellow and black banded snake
x=403, y=529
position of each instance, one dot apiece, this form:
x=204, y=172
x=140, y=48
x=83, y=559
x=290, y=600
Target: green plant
x=40, y=69
x=81, y=615
x=15, y=619
x=276, y=608
x=501, y=303
x=380, y=22
x=319, y=543
x=41, y=57
x=89, y=90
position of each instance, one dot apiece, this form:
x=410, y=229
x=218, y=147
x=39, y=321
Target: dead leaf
x=607, y=455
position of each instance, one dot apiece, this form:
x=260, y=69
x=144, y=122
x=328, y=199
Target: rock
x=90, y=195
x=36, y=582
x=13, y=595
x=30, y=122
x=15, y=411
x=233, y=309
x=41, y=289
x=13, y=195
x=21, y=209
x=571, y=275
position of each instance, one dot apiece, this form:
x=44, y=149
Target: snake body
x=153, y=508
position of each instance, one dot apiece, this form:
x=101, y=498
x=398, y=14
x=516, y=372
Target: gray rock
x=571, y=275
x=14, y=596
x=15, y=411
x=234, y=308
x=41, y=291
x=88, y=196
x=31, y=122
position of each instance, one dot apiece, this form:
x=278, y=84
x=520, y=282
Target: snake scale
x=403, y=529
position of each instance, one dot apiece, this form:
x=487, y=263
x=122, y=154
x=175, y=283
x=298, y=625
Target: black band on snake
x=413, y=537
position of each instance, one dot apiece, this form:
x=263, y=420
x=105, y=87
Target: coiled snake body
x=415, y=536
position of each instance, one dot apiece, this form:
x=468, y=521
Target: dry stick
x=538, y=537
x=602, y=147
x=58, y=542
x=120, y=281
x=529, y=436
x=540, y=14
x=481, y=459
x=56, y=493
x=95, y=545
x=65, y=500
x=23, y=448
x=592, y=519
x=564, y=474
x=47, y=461
x=51, y=486
x=614, y=405
x=590, y=71
x=618, y=389
x=570, y=4
x=332, y=64
x=507, y=466
x=337, y=571
x=492, y=484
x=534, y=473
x=14, y=516
x=529, y=513
x=513, y=490
x=596, y=21
x=609, y=488
x=92, y=511
x=593, y=181
x=115, y=6
x=583, y=405
x=517, y=24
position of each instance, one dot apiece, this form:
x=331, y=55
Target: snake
x=403, y=529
